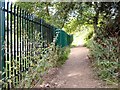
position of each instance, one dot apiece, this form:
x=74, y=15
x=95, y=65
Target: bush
x=104, y=54
x=63, y=54
x=41, y=60
x=89, y=38
x=88, y=43
x=89, y=35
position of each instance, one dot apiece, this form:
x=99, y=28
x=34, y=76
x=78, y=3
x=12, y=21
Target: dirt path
x=75, y=73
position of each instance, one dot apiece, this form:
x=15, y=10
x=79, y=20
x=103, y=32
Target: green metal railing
x=18, y=29
x=19, y=32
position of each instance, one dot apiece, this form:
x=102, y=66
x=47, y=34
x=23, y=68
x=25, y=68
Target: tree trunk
x=96, y=17
x=47, y=9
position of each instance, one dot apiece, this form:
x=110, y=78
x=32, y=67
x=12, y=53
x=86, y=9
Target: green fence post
x=41, y=28
x=2, y=29
x=0, y=50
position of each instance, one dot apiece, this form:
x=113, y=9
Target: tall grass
x=104, y=54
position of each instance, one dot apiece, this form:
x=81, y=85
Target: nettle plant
x=38, y=59
x=41, y=59
x=105, y=57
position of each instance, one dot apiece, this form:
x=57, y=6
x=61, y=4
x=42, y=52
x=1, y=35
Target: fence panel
x=19, y=30
x=17, y=43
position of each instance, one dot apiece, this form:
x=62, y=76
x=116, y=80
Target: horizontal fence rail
x=19, y=30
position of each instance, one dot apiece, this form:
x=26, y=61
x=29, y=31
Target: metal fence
x=16, y=25
x=18, y=31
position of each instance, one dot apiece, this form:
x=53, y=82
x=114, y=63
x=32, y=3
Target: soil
x=75, y=73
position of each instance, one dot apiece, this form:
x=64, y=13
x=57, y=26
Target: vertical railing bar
x=27, y=43
x=1, y=45
x=40, y=30
x=25, y=39
x=5, y=58
x=32, y=37
x=7, y=63
x=11, y=45
x=28, y=39
x=17, y=46
x=14, y=44
x=40, y=34
x=20, y=44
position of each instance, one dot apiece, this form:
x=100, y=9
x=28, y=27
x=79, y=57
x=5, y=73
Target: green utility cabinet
x=63, y=38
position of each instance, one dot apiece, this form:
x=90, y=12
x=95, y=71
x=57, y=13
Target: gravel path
x=75, y=73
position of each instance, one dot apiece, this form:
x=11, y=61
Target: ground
x=75, y=73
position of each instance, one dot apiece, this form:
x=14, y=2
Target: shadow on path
x=75, y=73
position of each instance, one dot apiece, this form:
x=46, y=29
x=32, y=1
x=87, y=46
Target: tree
x=98, y=14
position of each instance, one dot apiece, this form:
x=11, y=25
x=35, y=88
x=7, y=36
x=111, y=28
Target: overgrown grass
x=63, y=54
x=104, y=54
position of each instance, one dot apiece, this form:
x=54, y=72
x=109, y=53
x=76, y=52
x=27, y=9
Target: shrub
x=89, y=35
x=41, y=60
x=104, y=54
x=88, y=43
x=63, y=54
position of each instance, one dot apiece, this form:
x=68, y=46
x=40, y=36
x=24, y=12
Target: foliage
x=71, y=26
x=41, y=59
x=105, y=18
x=104, y=54
x=63, y=54
x=89, y=36
x=51, y=12
x=104, y=46
x=88, y=43
x=83, y=35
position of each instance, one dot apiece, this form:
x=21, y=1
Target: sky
x=10, y=0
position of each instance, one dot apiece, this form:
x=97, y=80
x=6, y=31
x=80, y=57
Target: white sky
x=10, y=0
